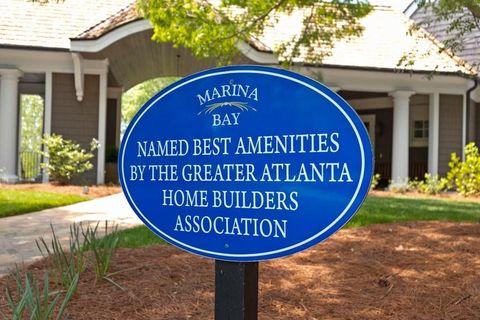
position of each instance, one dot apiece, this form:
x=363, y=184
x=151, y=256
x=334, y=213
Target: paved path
x=18, y=233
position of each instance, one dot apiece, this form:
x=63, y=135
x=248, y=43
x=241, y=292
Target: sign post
x=236, y=290
x=243, y=164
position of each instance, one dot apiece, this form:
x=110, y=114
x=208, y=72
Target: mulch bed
x=421, y=270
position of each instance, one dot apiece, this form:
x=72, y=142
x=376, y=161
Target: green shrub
x=399, y=186
x=66, y=158
x=375, y=180
x=432, y=184
x=413, y=185
x=464, y=176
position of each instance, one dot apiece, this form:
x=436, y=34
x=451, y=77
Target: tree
x=462, y=17
x=31, y=129
x=134, y=98
x=213, y=28
x=31, y=119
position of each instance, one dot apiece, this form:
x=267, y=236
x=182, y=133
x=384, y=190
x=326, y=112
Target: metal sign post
x=236, y=290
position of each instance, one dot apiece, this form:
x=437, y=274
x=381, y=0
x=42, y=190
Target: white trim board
x=96, y=45
x=371, y=103
x=382, y=81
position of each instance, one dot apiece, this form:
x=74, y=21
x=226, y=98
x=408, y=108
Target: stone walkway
x=18, y=233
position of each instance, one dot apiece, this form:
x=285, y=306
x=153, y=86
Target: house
x=469, y=52
x=81, y=55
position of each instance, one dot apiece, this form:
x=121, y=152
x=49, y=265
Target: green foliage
x=134, y=98
x=213, y=30
x=137, y=237
x=31, y=129
x=102, y=248
x=465, y=175
x=34, y=303
x=65, y=265
x=382, y=209
x=375, y=180
x=400, y=186
x=66, y=158
x=432, y=184
x=376, y=209
x=14, y=202
x=31, y=119
x=462, y=16
x=78, y=247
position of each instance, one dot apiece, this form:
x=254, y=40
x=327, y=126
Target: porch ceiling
x=136, y=58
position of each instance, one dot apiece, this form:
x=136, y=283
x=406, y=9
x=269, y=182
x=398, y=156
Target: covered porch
x=415, y=119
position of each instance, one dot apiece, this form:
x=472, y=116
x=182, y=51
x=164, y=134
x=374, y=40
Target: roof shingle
x=383, y=43
x=50, y=25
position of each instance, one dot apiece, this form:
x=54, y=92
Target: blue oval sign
x=245, y=163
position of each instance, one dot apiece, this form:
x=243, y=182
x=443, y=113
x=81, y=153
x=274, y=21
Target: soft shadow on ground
x=425, y=270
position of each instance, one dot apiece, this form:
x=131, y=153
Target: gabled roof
x=384, y=41
x=470, y=42
x=122, y=17
x=50, y=25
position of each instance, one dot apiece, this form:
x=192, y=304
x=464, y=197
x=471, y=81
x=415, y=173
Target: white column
x=400, y=145
x=47, y=116
x=102, y=124
x=433, y=132
x=464, y=125
x=8, y=124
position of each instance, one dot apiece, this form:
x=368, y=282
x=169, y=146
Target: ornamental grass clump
x=464, y=176
x=102, y=248
x=86, y=246
x=65, y=265
x=29, y=301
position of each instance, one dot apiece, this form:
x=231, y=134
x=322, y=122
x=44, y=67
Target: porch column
x=400, y=140
x=102, y=123
x=8, y=124
x=433, y=136
x=47, y=117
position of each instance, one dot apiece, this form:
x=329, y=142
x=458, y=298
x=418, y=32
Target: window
x=419, y=137
x=420, y=129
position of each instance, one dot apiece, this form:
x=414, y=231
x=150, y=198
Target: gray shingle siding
x=477, y=122
x=450, y=129
x=77, y=121
x=470, y=42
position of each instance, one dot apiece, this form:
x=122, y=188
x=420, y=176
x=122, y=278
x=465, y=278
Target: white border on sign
x=260, y=254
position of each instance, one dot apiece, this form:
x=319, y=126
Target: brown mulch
x=421, y=270
x=93, y=191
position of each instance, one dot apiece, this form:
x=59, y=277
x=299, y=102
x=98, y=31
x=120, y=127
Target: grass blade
x=68, y=296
